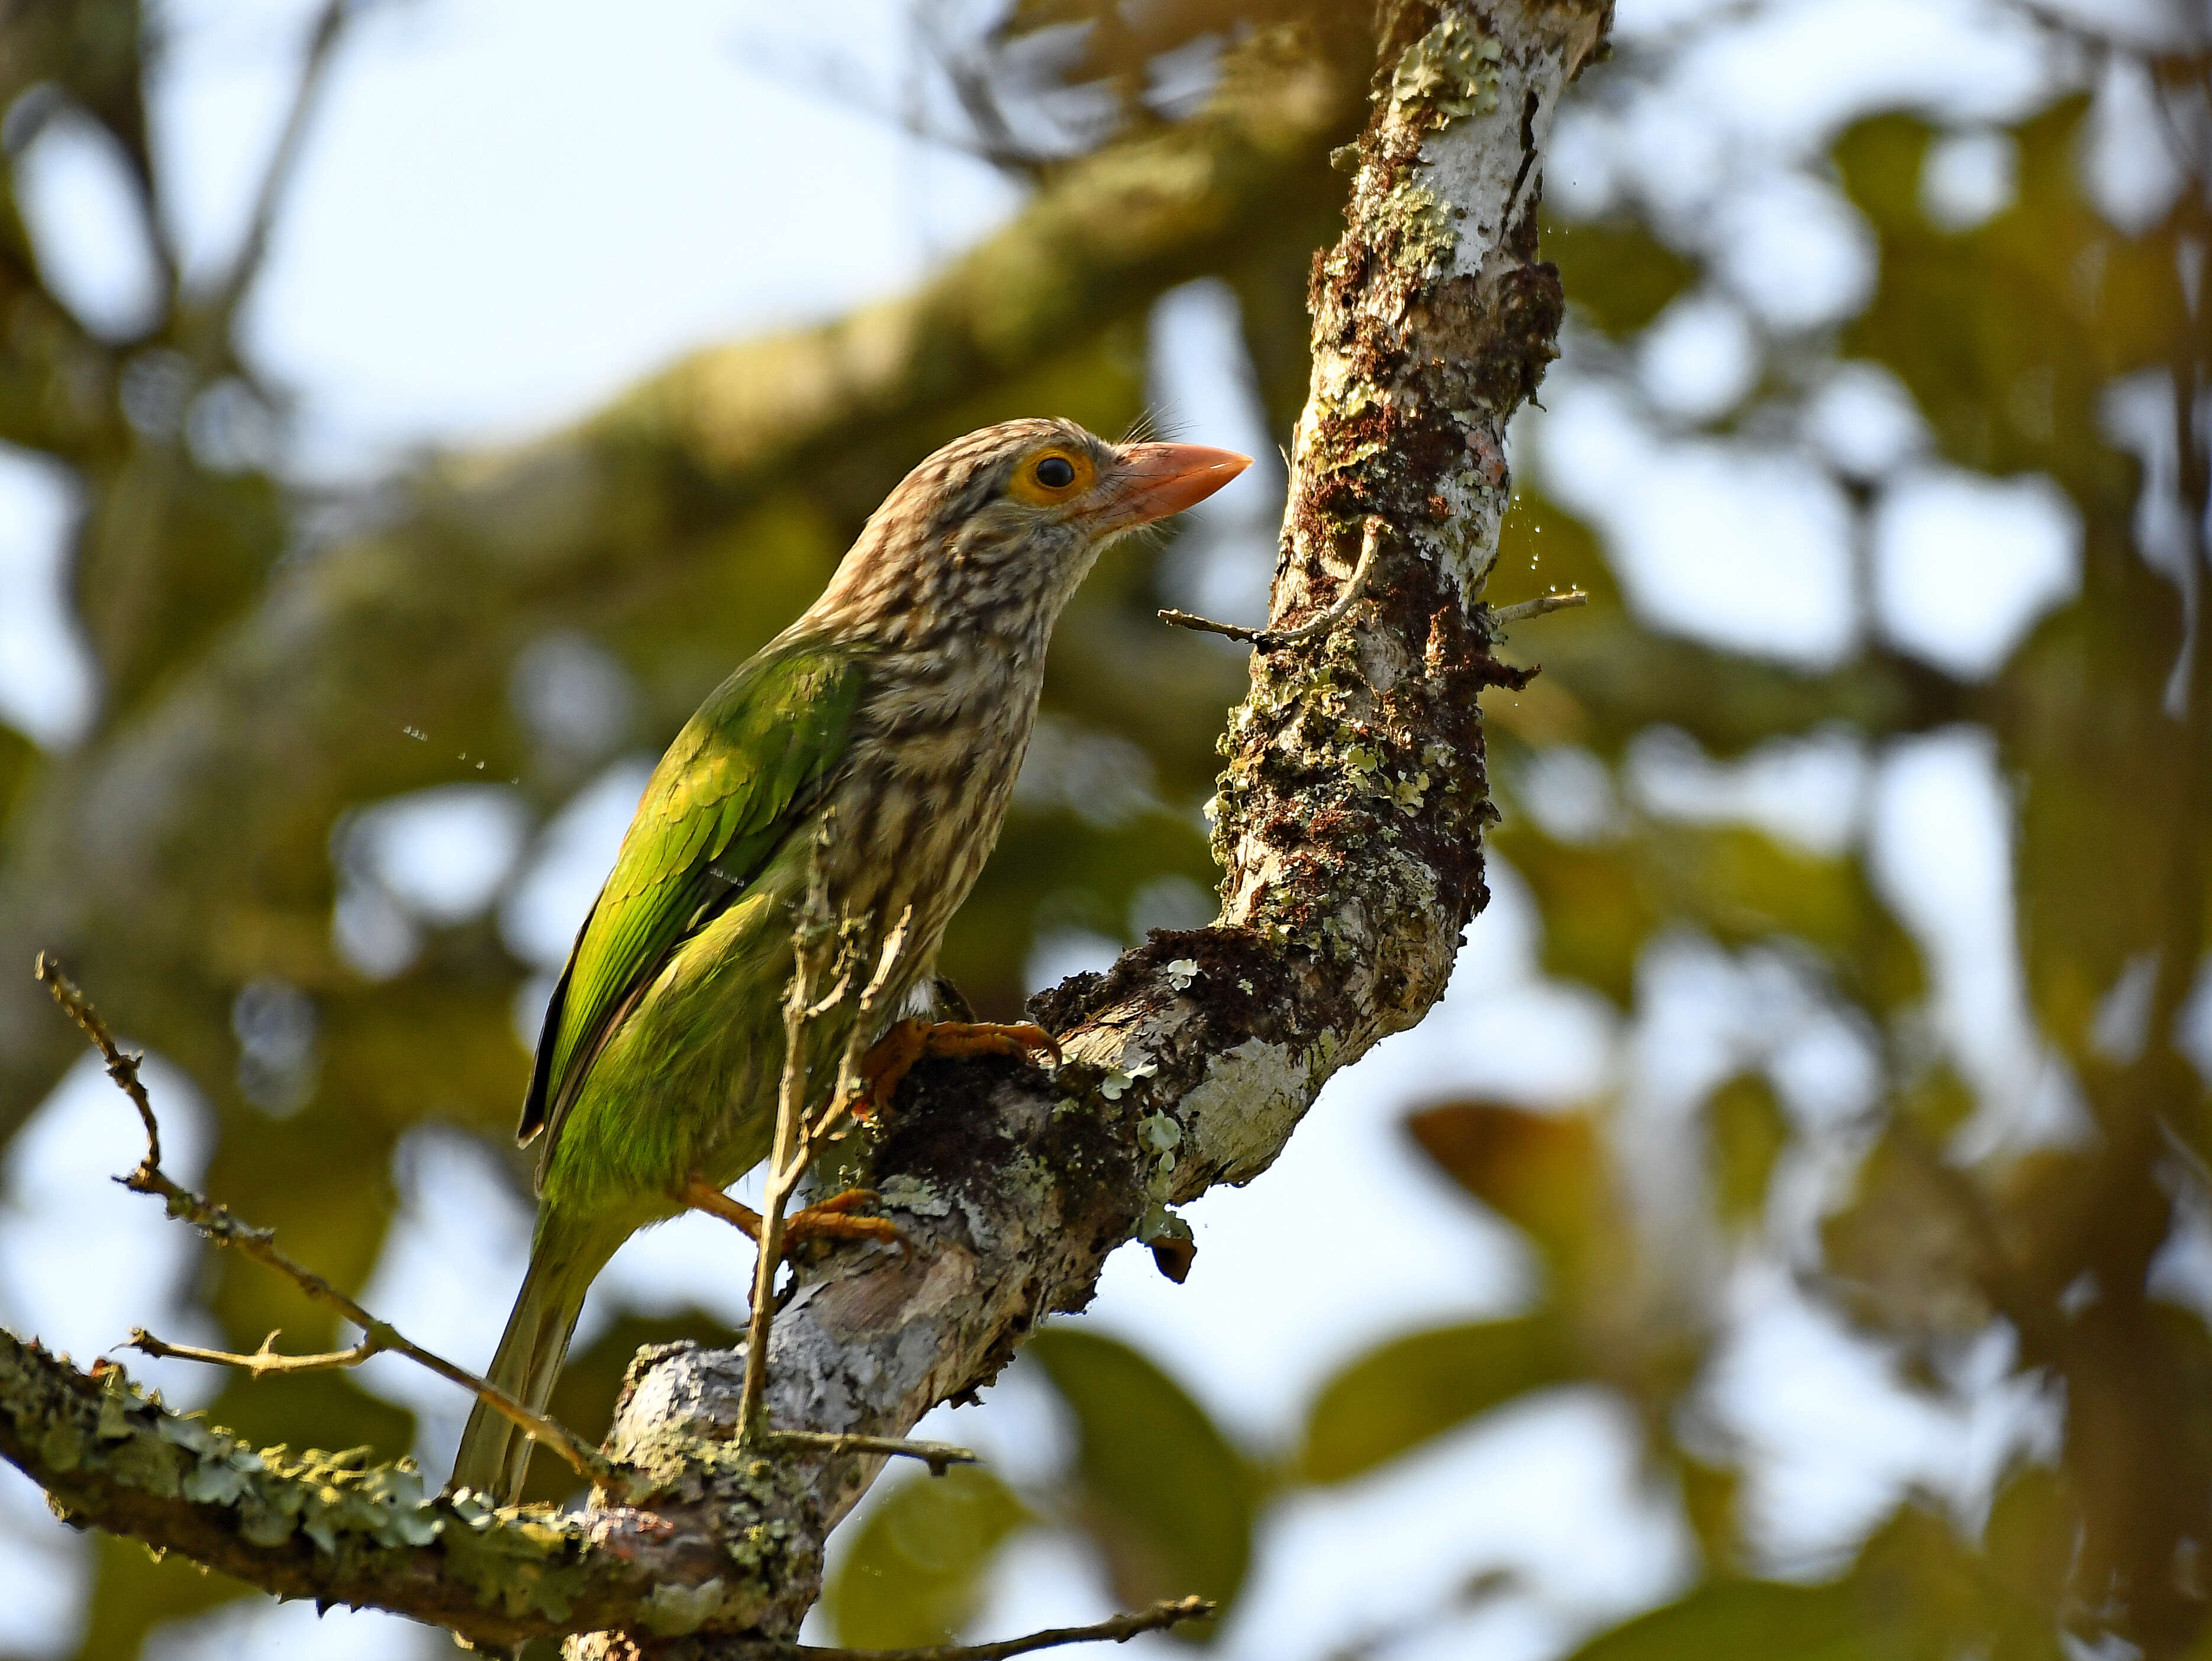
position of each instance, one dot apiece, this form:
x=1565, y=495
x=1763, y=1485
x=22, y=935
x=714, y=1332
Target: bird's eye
x=1055, y=472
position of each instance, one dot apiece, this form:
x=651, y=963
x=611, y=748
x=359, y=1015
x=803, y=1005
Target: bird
x=864, y=756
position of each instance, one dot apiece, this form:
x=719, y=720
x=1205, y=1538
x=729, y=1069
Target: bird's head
x=1010, y=518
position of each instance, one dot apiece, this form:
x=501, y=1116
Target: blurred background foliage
x=469, y=655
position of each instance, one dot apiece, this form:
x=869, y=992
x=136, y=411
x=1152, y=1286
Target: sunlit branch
x=265, y=1360
x=811, y=927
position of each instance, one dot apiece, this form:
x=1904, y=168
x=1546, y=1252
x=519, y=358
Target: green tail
x=564, y=1260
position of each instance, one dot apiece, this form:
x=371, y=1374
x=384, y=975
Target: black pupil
x=1055, y=472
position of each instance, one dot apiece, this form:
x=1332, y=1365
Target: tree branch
x=1115, y=1629
x=328, y=1527
x=1274, y=640
x=218, y=312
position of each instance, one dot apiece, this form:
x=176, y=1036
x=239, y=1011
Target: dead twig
x=1272, y=640
x=937, y=1455
x=798, y=1141
x=222, y=1226
x=809, y=931
x=1540, y=607
x=1116, y=1629
x=267, y=1358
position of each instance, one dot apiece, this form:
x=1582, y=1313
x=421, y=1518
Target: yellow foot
x=830, y=1220
x=891, y=1056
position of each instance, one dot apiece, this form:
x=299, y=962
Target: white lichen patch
x=909, y=1193
x=1243, y=1110
x=1476, y=510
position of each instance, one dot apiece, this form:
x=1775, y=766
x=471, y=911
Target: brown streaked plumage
x=891, y=719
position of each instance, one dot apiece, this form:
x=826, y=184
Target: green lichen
x=530, y=1566
x=1119, y=1079
x=910, y=1193
x=1452, y=69
x=1418, y=222
x=1159, y=1137
x=676, y=1611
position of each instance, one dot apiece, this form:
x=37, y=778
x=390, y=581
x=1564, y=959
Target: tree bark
x=1348, y=824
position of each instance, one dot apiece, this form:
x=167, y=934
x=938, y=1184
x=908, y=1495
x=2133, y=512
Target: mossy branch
x=332, y=1526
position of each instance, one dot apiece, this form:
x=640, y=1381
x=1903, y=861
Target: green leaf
x=915, y=1575
x=1909, y=1253
x=1166, y=1496
x=1597, y=909
x=1616, y=270
x=1744, y=1620
x=1395, y=1398
x=1543, y=1172
x=1603, y=901
x=1748, y=1133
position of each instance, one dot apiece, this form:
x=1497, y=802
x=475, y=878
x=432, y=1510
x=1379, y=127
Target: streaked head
x=1014, y=514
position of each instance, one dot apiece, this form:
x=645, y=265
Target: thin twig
x=1540, y=607
x=808, y=929
x=225, y=1228
x=267, y=1358
x=797, y=1143
x=121, y=1068
x=937, y=1455
x=283, y=160
x=1117, y=1629
x=1271, y=639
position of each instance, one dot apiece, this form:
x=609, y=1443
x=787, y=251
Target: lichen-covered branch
x=329, y=1526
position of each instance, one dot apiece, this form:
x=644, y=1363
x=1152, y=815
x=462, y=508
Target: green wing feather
x=743, y=773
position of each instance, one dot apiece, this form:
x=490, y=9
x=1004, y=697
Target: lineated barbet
x=869, y=749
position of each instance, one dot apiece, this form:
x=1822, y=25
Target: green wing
x=745, y=770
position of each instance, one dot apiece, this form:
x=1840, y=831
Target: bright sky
x=510, y=208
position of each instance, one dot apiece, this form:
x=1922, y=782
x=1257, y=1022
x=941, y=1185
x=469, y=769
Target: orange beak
x=1159, y=479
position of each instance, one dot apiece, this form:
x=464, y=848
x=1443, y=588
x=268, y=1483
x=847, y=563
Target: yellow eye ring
x=1051, y=476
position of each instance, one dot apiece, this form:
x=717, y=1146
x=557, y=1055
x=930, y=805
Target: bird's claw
x=832, y=1219
x=829, y=1219
x=893, y=1055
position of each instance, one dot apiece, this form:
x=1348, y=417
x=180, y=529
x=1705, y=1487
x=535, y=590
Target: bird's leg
x=891, y=1056
x=829, y=1219
x=699, y=1194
